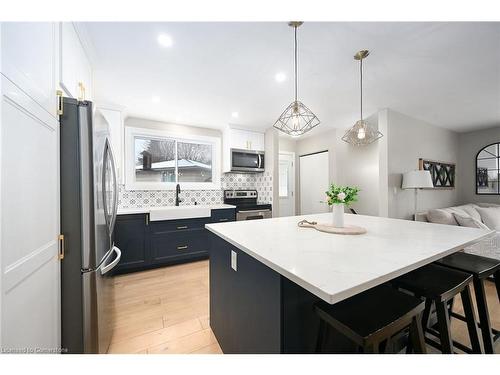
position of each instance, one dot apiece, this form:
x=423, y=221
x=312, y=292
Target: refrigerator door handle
x=109, y=267
x=115, y=195
x=99, y=266
x=109, y=216
x=104, y=191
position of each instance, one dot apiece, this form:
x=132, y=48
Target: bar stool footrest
x=437, y=345
x=496, y=333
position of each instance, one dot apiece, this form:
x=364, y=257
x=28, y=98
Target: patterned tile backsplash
x=262, y=182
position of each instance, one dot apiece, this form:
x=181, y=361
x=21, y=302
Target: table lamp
x=417, y=180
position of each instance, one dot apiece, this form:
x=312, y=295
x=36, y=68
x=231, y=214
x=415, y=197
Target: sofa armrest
x=421, y=216
x=489, y=247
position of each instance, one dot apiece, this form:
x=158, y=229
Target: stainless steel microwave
x=247, y=161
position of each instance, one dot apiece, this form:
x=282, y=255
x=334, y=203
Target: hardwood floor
x=165, y=310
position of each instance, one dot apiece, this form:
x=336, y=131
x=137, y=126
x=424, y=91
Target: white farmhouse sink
x=179, y=212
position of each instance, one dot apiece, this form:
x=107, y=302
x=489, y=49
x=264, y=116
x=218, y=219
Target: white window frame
x=132, y=184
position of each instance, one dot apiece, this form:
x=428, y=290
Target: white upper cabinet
x=29, y=53
x=75, y=69
x=243, y=139
x=256, y=141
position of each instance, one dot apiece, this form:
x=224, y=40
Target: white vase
x=338, y=215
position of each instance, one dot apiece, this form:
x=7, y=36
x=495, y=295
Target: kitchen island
x=266, y=275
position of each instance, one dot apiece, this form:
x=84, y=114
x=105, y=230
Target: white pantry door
x=314, y=182
x=29, y=191
x=286, y=184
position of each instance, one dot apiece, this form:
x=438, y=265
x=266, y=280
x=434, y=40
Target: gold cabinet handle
x=182, y=247
x=183, y=227
x=60, y=109
x=62, y=246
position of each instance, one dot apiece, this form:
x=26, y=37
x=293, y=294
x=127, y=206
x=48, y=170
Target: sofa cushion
x=487, y=204
x=471, y=210
x=469, y=221
x=441, y=216
x=490, y=217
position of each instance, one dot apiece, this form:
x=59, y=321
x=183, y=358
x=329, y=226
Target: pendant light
x=362, y=133
x=297, y=119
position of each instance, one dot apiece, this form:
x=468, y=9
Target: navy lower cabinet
x=184, y=244
x=253, y=309
x=245, y=304
x=148, y=244
x=130, y=236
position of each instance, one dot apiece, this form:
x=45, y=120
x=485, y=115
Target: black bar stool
x=371, y=318
x=481, y=268
x=439, y=285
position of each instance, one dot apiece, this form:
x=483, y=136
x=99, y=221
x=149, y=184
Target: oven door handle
x=253, y=211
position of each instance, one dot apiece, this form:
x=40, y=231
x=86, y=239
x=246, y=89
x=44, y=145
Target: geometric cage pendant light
x=296, y=119
x=362, y=133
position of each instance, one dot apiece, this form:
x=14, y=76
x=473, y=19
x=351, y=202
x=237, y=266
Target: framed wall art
x=442, y=173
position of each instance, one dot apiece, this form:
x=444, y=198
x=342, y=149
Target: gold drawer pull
x=183, y=227
x=182, y=247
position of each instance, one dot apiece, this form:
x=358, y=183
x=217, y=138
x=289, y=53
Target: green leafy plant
x=342, y=194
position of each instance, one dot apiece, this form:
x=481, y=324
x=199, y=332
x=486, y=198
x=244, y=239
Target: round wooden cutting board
x=329, y=228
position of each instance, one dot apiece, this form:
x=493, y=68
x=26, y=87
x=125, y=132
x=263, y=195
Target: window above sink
x=158, y=160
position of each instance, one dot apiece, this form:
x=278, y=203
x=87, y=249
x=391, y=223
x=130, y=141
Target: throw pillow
x=468, y=221
x=440, y=216
x=490, y=216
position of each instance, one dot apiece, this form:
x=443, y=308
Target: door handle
x=112, y=265
x=60, y=108
x=62, y=247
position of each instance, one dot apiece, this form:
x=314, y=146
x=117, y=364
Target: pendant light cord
x=295, y=63
x=361, y=85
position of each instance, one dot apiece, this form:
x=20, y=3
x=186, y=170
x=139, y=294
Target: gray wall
x=359, y=166
x=469, y=145
x=408, y=140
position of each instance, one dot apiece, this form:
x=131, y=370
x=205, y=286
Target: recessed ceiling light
x=280, y=77
x=165, y=40
x=235, y=115
x=155, y=99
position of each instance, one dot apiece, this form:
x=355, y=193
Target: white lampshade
x=417, y=180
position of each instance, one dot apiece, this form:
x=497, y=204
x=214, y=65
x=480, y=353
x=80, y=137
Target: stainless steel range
x=246, y=204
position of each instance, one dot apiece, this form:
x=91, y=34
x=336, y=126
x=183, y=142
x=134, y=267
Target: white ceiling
x=447, y=74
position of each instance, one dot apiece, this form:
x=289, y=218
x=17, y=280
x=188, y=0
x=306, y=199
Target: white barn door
x=29, y=190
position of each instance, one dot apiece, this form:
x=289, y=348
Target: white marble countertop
x=146, y=210
x=335, y=267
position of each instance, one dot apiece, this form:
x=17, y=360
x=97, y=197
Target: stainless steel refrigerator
x=89, y=201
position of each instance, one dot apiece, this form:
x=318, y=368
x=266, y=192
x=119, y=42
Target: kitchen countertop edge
x=147, y=210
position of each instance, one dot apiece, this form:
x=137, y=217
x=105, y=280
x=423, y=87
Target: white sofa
x=480, y=215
